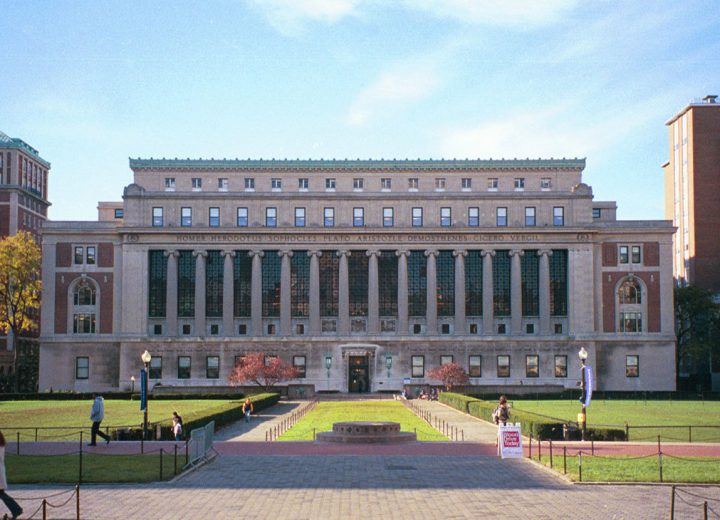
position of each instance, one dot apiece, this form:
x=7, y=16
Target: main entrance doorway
x=358, y=375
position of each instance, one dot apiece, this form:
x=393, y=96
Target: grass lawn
x=72, y=416
x=616, y=413
x=64, y=469
x=327, y=413
x=702, y=470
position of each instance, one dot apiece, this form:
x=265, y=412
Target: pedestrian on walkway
x=502, y=412
x=15, y=509
x=177, y=427
x=247, y=409
x=97, y=414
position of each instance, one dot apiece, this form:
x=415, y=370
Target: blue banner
x=143, y=389
x=588, y=384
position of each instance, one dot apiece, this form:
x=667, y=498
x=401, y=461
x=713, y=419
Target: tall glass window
x=417, y=366
x=186, y=217
x=358, y=283
x=271, y=217
x=532, y=365
x=473, y=283
x=212, y=368
x=157, y=217
x=529, y=216
x=475, y=366
x=183, y=367
x=501, y=217
x=242, y=217
x=329, y=274
x=561, y=366
x=417, y=284
x=299, y=217
x=214, y=217
x=157, y=285
x=445, y=269
x=186, y=284
x=271, y=284
x=388, y=282
x=558, y=283
x=388, y=217
x=417, y=217
x=529, y=273
x=242, y=277
x=358, y=217
x=214, y=284
x=329, y=217
x=503, y=366
x=445, y=217
x=558, y=216
x=473, y=217
x=501, y=283
x=300, y=284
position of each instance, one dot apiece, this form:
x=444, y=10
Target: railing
x=699, y=430
x=53, y=433
x=288, y=422
x=449, y=430
x=45, y=503
x=201, y=443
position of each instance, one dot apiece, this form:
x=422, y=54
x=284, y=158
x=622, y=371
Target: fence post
x=142, y=443
x=580, y=465
x=659, y=451
x=539, y=450
x=627, y=432
x=551, y=461
x=660, y=465
x=704, y=503
x=689, y=433
x=530, y=452
x=592, y=447
x=175, y=461
x=36, y=434
x=77, y=502
x=161, y=463
x=564, y=460
x=80, y=458
x=44, y=508
x=187, y=451
x=17, y=443
x=672, y=503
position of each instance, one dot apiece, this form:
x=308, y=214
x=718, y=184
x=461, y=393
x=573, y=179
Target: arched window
x=630, y=307
x=84, y=294
x=630, y=292
x=84, y=307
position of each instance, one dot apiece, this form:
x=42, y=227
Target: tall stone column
x=229, y=293
x=487, y=291
x=373, y=293
x=285, y=303
x=171, y=293
x=200, y=259
x=344, y=294
x=516, y=291
x=256, y=293
x=402, y=324
x=460, y=327
x=431, y=304
x=314, y=292
x=544, y=290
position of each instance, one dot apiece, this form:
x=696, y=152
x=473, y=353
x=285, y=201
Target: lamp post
x=388, y=364
x=146, y=358
x=583, y=355
x=132, y=386
x=328, y=366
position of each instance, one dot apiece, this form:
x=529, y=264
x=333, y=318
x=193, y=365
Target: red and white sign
x=510, y=442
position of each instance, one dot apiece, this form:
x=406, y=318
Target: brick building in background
x=23, y=207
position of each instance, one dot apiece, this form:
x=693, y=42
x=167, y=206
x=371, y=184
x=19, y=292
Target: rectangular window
x=445, y=217
x=529, y=216
x=249, y=184
x=212, y=370
x=596, y=213
x=417, y=366
x=386, y=184
x=560, y=366
x=358, y=217
x=271, y=217
x=276, y=183
x=299, y=217
x=519, y=183
x=329, y=217
x=503, y=366
x=624, y=254
x=222, y=184
x=545, y=183
x=388, y=217
x=303, y=184
x=155, y=371
x=558, y=216
x=90, y=255
x=413, y=184
x=214, y=217
x=169, y=183
x=119, y=213
x=299, y=363
x=532, y=365
x=635, y=251
x=183, y=367
x=466, y=183
x=157, y=217
x=493, y=183
x=196, y=184
x=473, y=217
x=83, y=323
x=440, y=184
x=475, y=366
x=446, y=360
x=186, y=217
x=242, y=217
x=630, y=322
x=417, y=217
x=79, y=253
x=358, y=184
x=501, y=217
x=330, y=184
x=82, y=367
x=632, y=366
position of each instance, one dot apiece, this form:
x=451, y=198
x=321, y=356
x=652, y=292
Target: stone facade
x=365, y=274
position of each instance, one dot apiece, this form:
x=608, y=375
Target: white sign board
x=510, y=441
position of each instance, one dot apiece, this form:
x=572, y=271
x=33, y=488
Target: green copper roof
x=13, y=142
x=364, y=164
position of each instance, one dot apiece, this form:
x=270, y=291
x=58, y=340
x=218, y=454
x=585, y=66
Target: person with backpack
x=501, y=415
x=247, y=409
x=177, y=427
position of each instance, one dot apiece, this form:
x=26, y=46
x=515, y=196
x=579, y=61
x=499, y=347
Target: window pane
x=186, y=217
x=184, y=367
x=475, y=366
x=632, y=366
x=417, y=217
x=155, y=368
x=418, y=366
x=503, y=366
x=501, y=217
x=82, y=367
x=558, y=216
x=213, y=367
x=560, y=366
x=242, y=217
x=299, y=364
x=271, y=217
x=329, y=217
x=532, y=365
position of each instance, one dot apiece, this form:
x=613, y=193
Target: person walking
x=247, y=409
x=177, y=427
x=502, y=412
x=15, y=509
x=97, y=414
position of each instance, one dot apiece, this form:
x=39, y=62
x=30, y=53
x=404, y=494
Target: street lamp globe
x=146, y=357
x=583, y=354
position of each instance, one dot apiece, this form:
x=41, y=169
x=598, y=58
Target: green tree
x=20, y=285
x=697, y=322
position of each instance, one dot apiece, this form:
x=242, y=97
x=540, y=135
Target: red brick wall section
x=610, y=255
x=652, y=285
x=608, y=298
x=63, y=255
x=105, y=255
x=61, y=298
x=4, y=221
x=651, y=254
x=105, y=283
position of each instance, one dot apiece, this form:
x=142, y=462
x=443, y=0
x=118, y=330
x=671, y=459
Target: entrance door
x=358, y=376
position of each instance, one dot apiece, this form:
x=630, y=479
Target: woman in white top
x=13, y=506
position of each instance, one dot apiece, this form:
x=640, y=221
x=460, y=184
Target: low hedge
x=85, y=396
x=539, y=426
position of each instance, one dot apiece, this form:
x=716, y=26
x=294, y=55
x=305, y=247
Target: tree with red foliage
x=262, y=370
x=451, y=374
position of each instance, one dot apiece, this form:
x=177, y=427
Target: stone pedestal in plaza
x=367, y=432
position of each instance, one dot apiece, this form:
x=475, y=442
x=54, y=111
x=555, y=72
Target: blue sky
x=90, y=84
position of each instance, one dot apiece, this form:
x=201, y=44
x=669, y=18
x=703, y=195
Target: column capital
x=317, y=253
x=229, y=253
x=459, y=252
x=172, y=252
x=258, y=252
x=200, y=252
x=432, y=252
x=343, y=252
x=373, y=252
x=402, y=252
x=544, y=252
x=287, y=253
x=518, y=252
x=487, y=252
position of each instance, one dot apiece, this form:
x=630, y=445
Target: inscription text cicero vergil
x=343, y=238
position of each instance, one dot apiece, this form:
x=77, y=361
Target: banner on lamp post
x=588, y=385
x=143, y=389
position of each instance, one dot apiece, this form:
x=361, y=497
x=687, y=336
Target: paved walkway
x=259, y=424
x=474, y=429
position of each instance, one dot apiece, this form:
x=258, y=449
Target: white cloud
x=289, y=16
